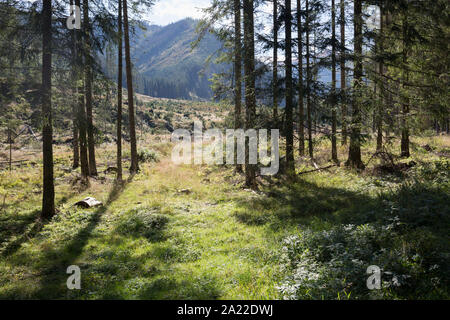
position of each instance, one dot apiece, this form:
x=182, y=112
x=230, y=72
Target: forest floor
x=194, y=232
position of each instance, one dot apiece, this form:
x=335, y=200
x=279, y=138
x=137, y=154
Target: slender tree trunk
x=10, y=142
x=88, y=88
x=75, y=146
x=119, y=96
x=390, y=87
x=354, y=156
x=289, y=89
x=131, y=113
x=374, y=111
x=308, y=83
x=250, y=98
x=334, y=155
x=301, y=111
x=275, y=60
x=82, y=122
x=237, y=73
x=448, y=125
x=315, y=75
x=48, y=198
x=343, y=72
x=379, y=118
x=82, y=132
x=81, y=108
x=405, y=106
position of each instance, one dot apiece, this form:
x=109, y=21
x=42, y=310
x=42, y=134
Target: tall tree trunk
x=250, y=98
x=289, y=89
x=334, y=155
x=75, y=147
x=308, y=82
x=119, y=96
x=237, y=73
x=48, y=198
x=81, y=108
x=448, y=125
x=301, y=111
x=405, y=105
x=379, y=118
x=343, y=79
x=10, y=141
x=131, y=113
x=88, y=88
x=275, y=60
x=354, y=155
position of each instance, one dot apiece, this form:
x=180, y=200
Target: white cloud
x=167, y=11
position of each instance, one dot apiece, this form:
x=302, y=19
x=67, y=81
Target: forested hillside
x=165, y=62
x=169, y=66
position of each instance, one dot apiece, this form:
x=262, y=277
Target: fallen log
x=318, y=169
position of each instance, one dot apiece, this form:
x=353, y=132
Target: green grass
x=220, y=241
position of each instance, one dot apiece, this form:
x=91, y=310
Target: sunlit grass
x=216, y=241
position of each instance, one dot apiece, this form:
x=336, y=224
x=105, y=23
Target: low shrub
x=143, y=222
x=145, y=155
x=332, y=264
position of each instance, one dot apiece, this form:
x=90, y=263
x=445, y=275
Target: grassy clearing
x=217, y=240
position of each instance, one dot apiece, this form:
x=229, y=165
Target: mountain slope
x=167, y=66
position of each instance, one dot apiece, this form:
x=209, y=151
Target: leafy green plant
x=145, y=155
x=332, y=264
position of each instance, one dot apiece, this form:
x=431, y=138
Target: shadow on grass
x=54, y=276
x=28, y=226
x=307, y=204
x=164, y=288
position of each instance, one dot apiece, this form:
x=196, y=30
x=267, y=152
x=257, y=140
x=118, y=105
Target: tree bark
x=301, y=111
x=343, y=73
x=237, y=73
x=48, y=198
x=250, y=98
x=354, y=156
x=88, y=88
x=119, y=176
x=379, y=120
x=334, y=155
x=81, y=108
x=308, y=83
x=289, y=89
x=405, y=106
x=275, y=60
x=75, y=147
x=131, y=113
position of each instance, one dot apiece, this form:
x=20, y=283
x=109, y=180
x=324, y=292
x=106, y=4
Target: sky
x=165, y=12
x=168, y=11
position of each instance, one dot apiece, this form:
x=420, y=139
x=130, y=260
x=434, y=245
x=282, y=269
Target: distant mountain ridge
x=165, y=64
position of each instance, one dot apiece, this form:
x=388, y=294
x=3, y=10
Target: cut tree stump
x=89, y=202
x=111, y=170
